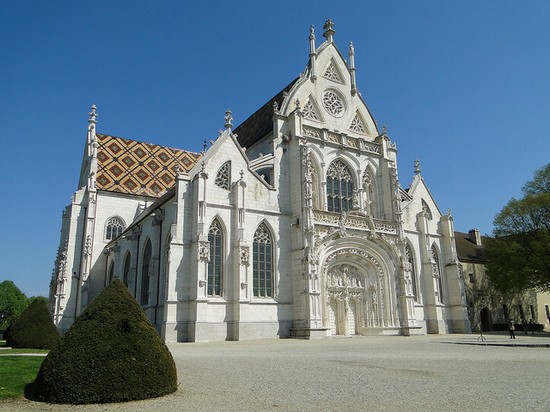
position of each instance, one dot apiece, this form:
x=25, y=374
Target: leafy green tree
x=34, y=328
x=519, y=252
x=12, y=303
x=111, y=353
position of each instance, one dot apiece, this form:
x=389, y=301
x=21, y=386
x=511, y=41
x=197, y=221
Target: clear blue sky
x=464, y=86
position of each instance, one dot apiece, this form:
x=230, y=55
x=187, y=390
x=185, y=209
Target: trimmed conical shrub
x=34, y=328
x=110, y=354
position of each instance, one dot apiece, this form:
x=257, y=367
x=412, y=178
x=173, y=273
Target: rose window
x=333, y=103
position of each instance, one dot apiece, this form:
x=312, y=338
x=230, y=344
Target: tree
x=34, y=328
x=12, y=303
x=519, y=253
x=111, y=353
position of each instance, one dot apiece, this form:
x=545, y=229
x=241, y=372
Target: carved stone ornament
x=203, y=252
x=354, y=251
x=244, y=256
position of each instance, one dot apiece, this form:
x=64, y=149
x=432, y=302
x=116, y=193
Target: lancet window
x=114, y=227
x=410, y=260
x=223, y=177
x=126, y=271
x=339, y=187
x=215, y=239
x=437, y=275
x=262, y=262
x=145, y=266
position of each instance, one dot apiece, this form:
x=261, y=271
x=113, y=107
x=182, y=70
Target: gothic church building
x=293, y=224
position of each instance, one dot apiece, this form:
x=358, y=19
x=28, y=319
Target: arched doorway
x=485, y=318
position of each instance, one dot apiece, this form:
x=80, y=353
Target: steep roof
x=129, y=166
x=467, y=250
x=261, y=122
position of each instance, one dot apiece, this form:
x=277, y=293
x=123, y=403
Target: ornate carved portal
x=356, y=299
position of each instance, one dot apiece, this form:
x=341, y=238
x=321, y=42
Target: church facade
x=293, y=224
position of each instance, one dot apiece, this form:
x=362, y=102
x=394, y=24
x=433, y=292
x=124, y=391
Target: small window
x=471, y=277
x=114, y=228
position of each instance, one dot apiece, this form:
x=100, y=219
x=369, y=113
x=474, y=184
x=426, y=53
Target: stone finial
x=93, y=115
x=384, y=129
x=311, y=32
x=228, y=119
x=351, y=49
x=416, y=167
x=329, y=31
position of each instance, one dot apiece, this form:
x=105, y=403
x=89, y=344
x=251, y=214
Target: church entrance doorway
x=355, y=300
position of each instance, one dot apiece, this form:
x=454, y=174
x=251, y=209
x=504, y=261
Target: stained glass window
x=215, y=263
x=262, y=266
x=339, y=187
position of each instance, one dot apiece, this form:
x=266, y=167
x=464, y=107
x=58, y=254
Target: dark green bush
x=110, y=354
x=33, y=329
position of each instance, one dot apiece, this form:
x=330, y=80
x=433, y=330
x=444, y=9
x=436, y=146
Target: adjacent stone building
x=293, y=224
x=488, y=307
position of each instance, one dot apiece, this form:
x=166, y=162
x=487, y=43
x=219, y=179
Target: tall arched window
x=339, y=187
x=262, y=266
x=410, y=260
x=145, y=265
x=126, y=272
x=111, y=271
x=437, y=274
x=215, y=264
x=114, y=227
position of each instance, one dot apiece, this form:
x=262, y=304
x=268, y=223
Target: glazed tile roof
x=128, y=166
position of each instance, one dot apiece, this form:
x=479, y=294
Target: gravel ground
x=424, y=373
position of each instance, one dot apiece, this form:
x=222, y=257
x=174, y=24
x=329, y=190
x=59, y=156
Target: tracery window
x=426, y=210
x=357, y=125
x=215, y=264
x=126, y=271
x=333, y=103
x=410, y=259
x=114, y=227
x=309, y=111
x=223, y=177
x=146, y=263
x=262, y=262
x=339, y=187
x=332, y=73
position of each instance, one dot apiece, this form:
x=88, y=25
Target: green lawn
x=16, y=372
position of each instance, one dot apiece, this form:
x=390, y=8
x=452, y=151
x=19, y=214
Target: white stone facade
x=294, y=226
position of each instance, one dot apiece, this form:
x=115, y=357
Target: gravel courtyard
x=424, y=373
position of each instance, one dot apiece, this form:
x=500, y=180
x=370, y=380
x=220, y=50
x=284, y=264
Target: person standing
x=512, y=329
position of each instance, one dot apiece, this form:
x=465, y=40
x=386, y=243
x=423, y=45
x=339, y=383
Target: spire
x=329, y=31
x=312, y=53
x=416, y=167
x=352, y=68
x=228, y=119
x=93, y=115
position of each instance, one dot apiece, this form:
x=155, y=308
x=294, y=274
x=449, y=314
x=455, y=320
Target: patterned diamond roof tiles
x=128, y=166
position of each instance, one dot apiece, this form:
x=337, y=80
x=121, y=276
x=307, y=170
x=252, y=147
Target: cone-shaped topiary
x=34, y=328
x=110, y=354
